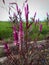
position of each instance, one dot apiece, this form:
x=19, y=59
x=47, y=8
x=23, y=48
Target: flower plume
x=26, y=14
x=15, y=35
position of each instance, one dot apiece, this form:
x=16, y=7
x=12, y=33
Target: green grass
x=35, y=30
x=6, y=30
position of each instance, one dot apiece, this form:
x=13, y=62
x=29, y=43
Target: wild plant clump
x=23, y=52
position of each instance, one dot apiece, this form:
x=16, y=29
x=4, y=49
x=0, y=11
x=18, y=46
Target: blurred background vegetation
x=6, y=30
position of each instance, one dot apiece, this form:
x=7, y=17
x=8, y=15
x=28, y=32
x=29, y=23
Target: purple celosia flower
x=26, y=14
x=15, y=35
x=21, y=33
x=21, y=29
x=40, y=28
